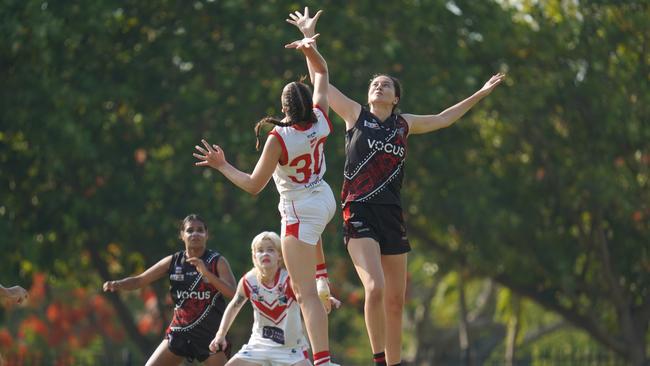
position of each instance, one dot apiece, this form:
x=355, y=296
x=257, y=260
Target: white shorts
x=272, y=356
x=306, y=218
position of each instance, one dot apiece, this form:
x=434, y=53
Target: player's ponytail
x=297, y=104
x=262, y=122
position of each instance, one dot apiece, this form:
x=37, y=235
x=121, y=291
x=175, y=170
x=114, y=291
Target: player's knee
x=394, y=304
x=374, y=291
x=303, y=295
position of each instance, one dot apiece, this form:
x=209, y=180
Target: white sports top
x=302, y=164
x=277, y=321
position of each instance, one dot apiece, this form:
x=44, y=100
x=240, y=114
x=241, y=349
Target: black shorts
x=384, y=223
x=192, y=346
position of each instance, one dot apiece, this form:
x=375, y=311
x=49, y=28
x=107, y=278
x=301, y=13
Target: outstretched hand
x=212, y=156
x=17, y=294
x=492, y=83
x=303, y=22
x=111, y=286
x=303, y=43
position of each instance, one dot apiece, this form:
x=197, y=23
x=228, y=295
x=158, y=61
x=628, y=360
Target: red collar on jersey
x=302, y=128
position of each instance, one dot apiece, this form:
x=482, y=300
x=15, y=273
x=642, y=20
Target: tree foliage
x=543, y=187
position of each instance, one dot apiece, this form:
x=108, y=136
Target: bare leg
x=216, y=359
x=320, y=254
x=395, y=276
x=162, y=356
x=367, y=261
x=300, y=259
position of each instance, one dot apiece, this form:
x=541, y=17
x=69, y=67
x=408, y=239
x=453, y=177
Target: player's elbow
x=254, y=189
x=321, y=72
x=229, y=293
x=256, y=184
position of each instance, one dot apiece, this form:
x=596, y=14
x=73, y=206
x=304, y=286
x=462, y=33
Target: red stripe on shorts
x=346, y=212
x=293, y=229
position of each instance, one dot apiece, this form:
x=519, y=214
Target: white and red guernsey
x=277, y=321
x=302, y=164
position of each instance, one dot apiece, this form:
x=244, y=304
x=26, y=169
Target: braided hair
x=297, y=103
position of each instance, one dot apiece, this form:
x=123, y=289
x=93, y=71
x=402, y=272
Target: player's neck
x=267, y=275
x=381, y=111
x=194, y=252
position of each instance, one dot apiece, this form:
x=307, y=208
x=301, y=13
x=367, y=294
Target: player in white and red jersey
x=294, y=156
x=277, y=337
x=307, y=203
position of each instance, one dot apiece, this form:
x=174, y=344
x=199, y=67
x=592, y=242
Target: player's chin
x=197, y=244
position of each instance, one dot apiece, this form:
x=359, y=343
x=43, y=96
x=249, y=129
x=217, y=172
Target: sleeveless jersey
x=374, y=160
x=198, y=304
x=277, y=321
x=302, y=164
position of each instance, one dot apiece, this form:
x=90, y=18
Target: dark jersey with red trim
x=374, y=159
x=198, y=304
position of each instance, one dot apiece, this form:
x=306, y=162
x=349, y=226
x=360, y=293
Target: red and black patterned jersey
x=198, y=304
x=374, y=159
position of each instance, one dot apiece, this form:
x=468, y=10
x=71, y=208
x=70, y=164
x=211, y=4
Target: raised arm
x=318, y=69
x=233, y=308
x=214, y=157
x=345, y=107
x=426, y=123
x=152, y=274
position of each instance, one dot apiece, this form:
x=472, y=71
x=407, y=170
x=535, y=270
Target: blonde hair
x=259, y=238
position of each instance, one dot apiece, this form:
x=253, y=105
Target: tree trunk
x=463, y=326
x=513, y=329
x=629, y=327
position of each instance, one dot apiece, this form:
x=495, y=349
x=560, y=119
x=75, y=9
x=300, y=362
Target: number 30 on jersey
x=308, y=164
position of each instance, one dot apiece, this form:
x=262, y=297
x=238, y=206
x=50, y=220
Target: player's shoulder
x=250, y=276
x=211, y=255
x=176, y=257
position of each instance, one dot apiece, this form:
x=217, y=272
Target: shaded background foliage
x=529, y=219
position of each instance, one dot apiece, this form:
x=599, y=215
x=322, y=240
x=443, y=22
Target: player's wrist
x=220, y=166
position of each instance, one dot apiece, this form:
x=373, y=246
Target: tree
x=557, y=170
x=543, y=187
